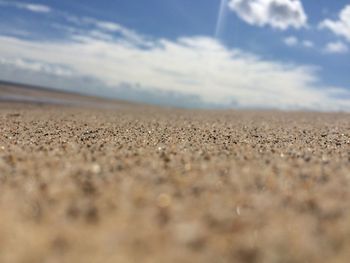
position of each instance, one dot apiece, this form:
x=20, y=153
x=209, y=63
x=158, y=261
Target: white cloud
x=308, y=44
x=103, y=28
x=336, y=48
x=291, y=41
x=36, y=8
x=340, y=27
x=197, y=66
x=280, y=14
x=37, y=66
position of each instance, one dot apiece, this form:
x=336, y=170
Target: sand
x=145, y=184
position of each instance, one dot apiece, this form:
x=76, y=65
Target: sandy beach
x=144, y=184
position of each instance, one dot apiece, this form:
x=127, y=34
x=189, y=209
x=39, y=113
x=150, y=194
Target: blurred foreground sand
x=141, y=184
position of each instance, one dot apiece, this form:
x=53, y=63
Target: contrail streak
x=221, y=18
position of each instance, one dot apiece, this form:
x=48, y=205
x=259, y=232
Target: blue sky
x=285, y=54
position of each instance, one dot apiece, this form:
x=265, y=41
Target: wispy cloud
x=103, y=28
x=280, y=14
x=308, y=43
x=337, y=47
x=37, y=66
x=36, y=8
x=291, y=41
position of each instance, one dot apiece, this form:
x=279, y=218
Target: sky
x=266, y=54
